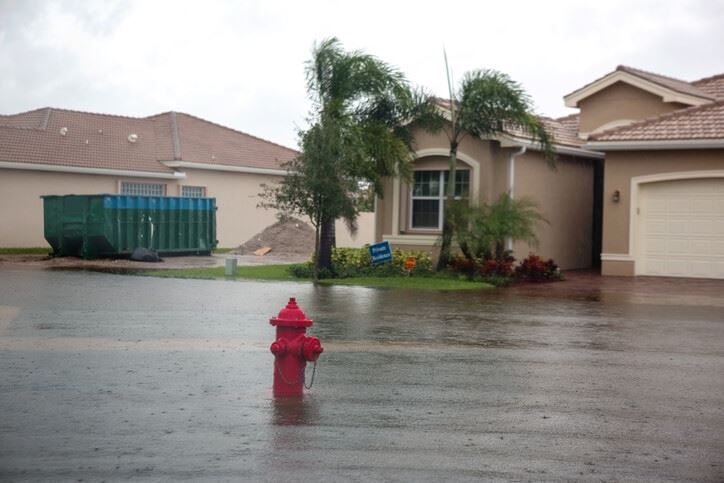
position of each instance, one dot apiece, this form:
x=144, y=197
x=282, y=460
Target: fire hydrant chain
x=302, y=377
x=311, y=380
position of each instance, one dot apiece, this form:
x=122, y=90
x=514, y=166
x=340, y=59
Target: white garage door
x=681, y=228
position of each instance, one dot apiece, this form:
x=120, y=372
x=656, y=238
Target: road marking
x=8, y=313
x=64, y=344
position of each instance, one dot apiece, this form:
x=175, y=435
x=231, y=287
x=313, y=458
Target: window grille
x=193, y=191
x=143, y=189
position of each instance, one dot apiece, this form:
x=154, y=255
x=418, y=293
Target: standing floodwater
x=108, y=377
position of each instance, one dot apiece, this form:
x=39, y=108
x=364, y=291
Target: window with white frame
x=428, y=196
x=143, y=189
x=193, y=191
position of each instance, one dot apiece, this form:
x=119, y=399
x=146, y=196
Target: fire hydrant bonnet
x=291, y=316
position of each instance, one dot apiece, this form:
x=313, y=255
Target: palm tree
x=361, y=108
x=487, y=103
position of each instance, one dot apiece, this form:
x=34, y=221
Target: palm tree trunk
x=316, y=252
x=447, y=226
x=327, y=241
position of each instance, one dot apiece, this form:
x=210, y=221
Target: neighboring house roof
x=701, y=123
x=65, y=138
x=669, y=88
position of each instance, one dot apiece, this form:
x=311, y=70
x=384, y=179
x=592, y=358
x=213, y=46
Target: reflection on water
x=486, y=319
x=295, y=411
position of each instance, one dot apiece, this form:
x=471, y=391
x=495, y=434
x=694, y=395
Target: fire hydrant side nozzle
x=292, y=349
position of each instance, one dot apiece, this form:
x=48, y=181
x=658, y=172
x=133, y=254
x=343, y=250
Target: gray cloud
x=241, y=63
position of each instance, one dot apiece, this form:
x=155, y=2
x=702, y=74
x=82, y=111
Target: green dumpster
x=93, y=226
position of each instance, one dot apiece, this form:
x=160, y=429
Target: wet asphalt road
x=108, y=377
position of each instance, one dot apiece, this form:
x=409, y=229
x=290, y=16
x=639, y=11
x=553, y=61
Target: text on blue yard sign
x=380, y=252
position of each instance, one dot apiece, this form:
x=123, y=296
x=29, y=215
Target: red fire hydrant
x=292, y=350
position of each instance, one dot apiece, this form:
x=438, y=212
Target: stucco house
x=410, y=216
x=639, y=184
x=663, y=206
x=58, y=151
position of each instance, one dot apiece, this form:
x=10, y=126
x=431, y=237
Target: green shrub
x=306, y=271
x=302, y=270
x=357, y=262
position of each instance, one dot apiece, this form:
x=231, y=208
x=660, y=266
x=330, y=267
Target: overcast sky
x=241, y=63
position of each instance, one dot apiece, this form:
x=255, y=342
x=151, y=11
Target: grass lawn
x=258, y=272
x=280, y=273
x=418, y=283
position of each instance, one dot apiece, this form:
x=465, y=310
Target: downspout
x=511, y=184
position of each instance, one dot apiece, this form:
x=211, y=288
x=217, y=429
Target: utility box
x=94, y=226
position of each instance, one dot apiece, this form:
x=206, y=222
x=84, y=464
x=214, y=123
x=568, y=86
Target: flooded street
x=110, y=377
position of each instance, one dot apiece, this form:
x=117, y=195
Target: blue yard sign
x=380, y=252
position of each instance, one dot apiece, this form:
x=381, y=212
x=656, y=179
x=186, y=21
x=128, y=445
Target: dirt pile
x=286, y=237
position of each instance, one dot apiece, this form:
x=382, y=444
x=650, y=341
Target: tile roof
x=564, y=130
x=89, y=140
x=677, y=85
x=699, y=122
x=714, y=85
x=670, y=83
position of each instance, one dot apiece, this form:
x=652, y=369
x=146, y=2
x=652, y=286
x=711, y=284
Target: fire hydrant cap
x=291, y=316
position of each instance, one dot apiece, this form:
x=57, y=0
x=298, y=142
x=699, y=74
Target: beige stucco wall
x=620, y=168
x=365, y=232
x=565, y=198
x=21, y=209
x=620, y=101
x=238, y=218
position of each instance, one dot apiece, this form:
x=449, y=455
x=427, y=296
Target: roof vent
x=63, y=131
x=213, y=158
x=100, y=131
x=132, y=138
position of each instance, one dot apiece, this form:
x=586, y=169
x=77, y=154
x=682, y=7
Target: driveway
x=108, y=377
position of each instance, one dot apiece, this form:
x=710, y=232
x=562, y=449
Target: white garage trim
x=636, y=183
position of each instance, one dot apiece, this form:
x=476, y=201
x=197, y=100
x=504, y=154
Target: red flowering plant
x=536, y=269
x=497, y=268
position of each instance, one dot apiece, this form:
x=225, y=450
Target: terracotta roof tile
x=564, y=130
x=700, y=122
x=205, y=142
x=82, y=139
x=714, y=85
x=36, y=119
